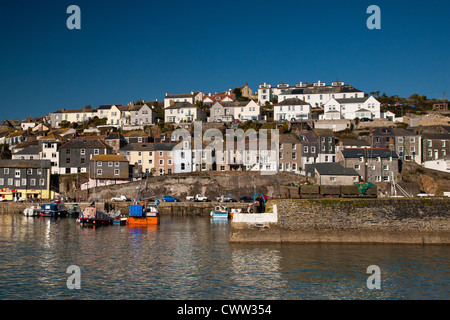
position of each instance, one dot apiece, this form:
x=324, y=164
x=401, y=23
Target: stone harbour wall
x=406, y=221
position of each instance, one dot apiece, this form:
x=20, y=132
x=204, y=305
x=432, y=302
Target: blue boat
x=54, y=209
x=221, y=212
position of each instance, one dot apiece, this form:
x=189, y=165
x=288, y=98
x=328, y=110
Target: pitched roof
x=85, y=144
x=180, y=105
x=371, y=153
x=292, y=102
x=321, y=90
x=32, y=149
x=333, y=168
x=352, y=100
x=109, y=157
x=9, y=163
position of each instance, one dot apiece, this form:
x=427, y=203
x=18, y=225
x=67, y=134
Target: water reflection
x=190, y=258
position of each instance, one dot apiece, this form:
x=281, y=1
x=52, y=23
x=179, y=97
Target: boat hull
x=142, y=221
x=95, y=222
x=220, y=215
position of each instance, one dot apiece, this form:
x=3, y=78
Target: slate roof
x=9, y=163
x=180, y=105
x=292, y=102
x=333, y=168
x=371, y=153
x=85, y=144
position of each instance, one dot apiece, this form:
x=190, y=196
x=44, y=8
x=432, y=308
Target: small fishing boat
x=144, y=214
x=32, y=211
x=92, y=216
x=74, y=210
x=54, y=209
x=220, y=211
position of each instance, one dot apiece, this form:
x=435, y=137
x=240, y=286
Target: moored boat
x=143, y=214
x=92, y=216
x=54, y=209
x=74, y=210
x=32, y=211
x=220, y=211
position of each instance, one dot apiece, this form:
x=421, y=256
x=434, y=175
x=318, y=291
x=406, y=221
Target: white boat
x=220, y=211
x=32, y=211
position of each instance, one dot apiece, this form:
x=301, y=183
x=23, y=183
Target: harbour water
x=189, y=258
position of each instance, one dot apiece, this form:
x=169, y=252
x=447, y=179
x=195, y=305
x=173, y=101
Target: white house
x=237, y=110
x=317, y=94
x=192, y=98
x=183, y=112
x=366, y=107
x=182, y=157
x=291, y=109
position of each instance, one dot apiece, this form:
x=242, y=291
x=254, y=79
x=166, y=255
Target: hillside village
x=329, y=134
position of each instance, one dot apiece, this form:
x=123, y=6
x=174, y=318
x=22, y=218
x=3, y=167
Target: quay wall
x=399, y=221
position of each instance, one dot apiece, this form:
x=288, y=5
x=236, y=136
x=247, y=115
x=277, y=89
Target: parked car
x=246, y=199
x=121, y=198
x=366, y=120
x=170, y=199
x=224, y=198
x=197, y=198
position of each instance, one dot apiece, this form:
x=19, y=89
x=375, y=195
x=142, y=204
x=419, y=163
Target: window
x=99, y=172
x=29, y=171
x=116, y=172
x=17, y=174
x=110, y=164
x=443, y=143
x=117, y=164
x=313, y=149
x=96, y=152
x=6, y=171
x=357, y=167
x=24, y=182
x=385, y=167
x=83, y=151
x=67, y=151
x=2, y=181
x=10, y=182
x=294, y=155
x=183, y=166
x=305, y=149
x=430, y=143
x=41, y=182
x=17, y=183
x=33, y=182
x=386, y=178
x=332, y=179
x=413, y=149
x=99, y=163
x=161, y=162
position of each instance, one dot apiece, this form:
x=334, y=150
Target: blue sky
x=128, y=50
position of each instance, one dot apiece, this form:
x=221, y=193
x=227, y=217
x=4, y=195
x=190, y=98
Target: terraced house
x=405, y=143
x=372, y=164
x=23, y=179
x=435, y=146
x=75, y=155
